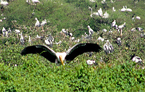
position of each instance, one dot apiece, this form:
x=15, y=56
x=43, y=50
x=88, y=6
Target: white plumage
x=90, y=62
x=4, y=3
x=37, y=24
x=90, y=31
x=108, y=48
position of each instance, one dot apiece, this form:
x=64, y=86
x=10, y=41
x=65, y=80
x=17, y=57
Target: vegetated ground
x=35, y=73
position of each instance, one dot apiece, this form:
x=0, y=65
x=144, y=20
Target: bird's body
x=108, y=48
x=90, y=31
x=118, y=41
x=59, y=57
x=113, y=23
x=37, y=24
x=36, y=1
x=136, y=59
x=106, y=15
x=22, y=39
x=113, y=9
x=4, y=3
x=100, y=12
x=90, y=62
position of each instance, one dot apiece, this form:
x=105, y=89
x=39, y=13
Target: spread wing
x=44, y=51
x=80, y=49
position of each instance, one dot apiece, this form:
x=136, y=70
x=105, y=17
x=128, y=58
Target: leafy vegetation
x=35, y=73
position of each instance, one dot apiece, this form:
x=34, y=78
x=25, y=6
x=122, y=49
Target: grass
x=35, y=73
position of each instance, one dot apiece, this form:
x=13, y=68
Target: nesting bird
x=43, y=23
x=118, y=41
x=91, y=62
x=108, y=48
x=90, y=31
x=136, y=59
x=4, y=3
x=22, y=39
x=37, y=24
x=60, y=57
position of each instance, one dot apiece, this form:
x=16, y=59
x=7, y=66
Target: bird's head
x=61, y=60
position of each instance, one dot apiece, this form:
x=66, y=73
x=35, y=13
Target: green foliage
x=35, y=73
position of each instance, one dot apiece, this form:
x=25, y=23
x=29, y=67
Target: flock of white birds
x=108, y=47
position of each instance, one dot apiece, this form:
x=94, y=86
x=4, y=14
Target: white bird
x=113, y=23
x=35, y=1
x=123, y=9
x=108, y=48
x=103, y=1
x=100, y=12
x=139, y=29
x=43, y=23
x=100, y=39
x=37, y=24
x=120, y=27
x=104, y=30
x=9, y=30
x=113, y=9
x=118, y=41
x=106, y=15
x=90, y=31
x=133, y=30
x=60, y=57
x=93, y=1
x=17, y=32
x=4, y=3
x=22, y=39
x=39, y=37
x=29, y=41
x=4, y=31
x=90, y=62
x=138, y=17
x=136, y=59
x=128, y=9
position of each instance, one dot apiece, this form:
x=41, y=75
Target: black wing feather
x=80, y=49
x=42, y=50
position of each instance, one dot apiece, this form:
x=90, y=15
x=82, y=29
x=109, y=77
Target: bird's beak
x=60, y=58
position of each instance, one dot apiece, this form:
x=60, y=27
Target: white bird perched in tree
x=37, y=24
x=123, y=9
x=136, y=59
x=29, y=41
x=128, y=9
x=120, y=27
x=9, y=30
x=100, y=12
x=133, y=30
x=93, y=1
x=43, y=23
x=113, y=9
x=104, y=30
x=39, y=37
x=108, y=48
x=106, y=15
x=138, y=17
x=28, y=1
x=4, y=3
x=90, y=31
x=4, y=31
x=103, y=1
x=60, y=57
x=35, y=1
x=17, y=32
x=22, y=39
x=113, y=23
x=100, y=39
x=93, y=13
x=118, y=41
x=139, y=29
x=48, y=42
x=91, y=62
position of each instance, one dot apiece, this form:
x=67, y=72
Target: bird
x=35, y=2
x=108, y=48
x=91, y=62
x=113, y=9
x=61, y=57
x=106, y=15
x=100, y=12
x=113, y=23
x=136, y=59
x=90, y=31
x=100, y=39
x=29, y=41
x=22, y=39
x=4, y=31
x=120, y=27
x=37, y=24
x=4, y=3
x=118, y=41
x=43, y=23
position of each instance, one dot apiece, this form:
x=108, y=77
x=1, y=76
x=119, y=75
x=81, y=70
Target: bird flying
x=60, y=57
